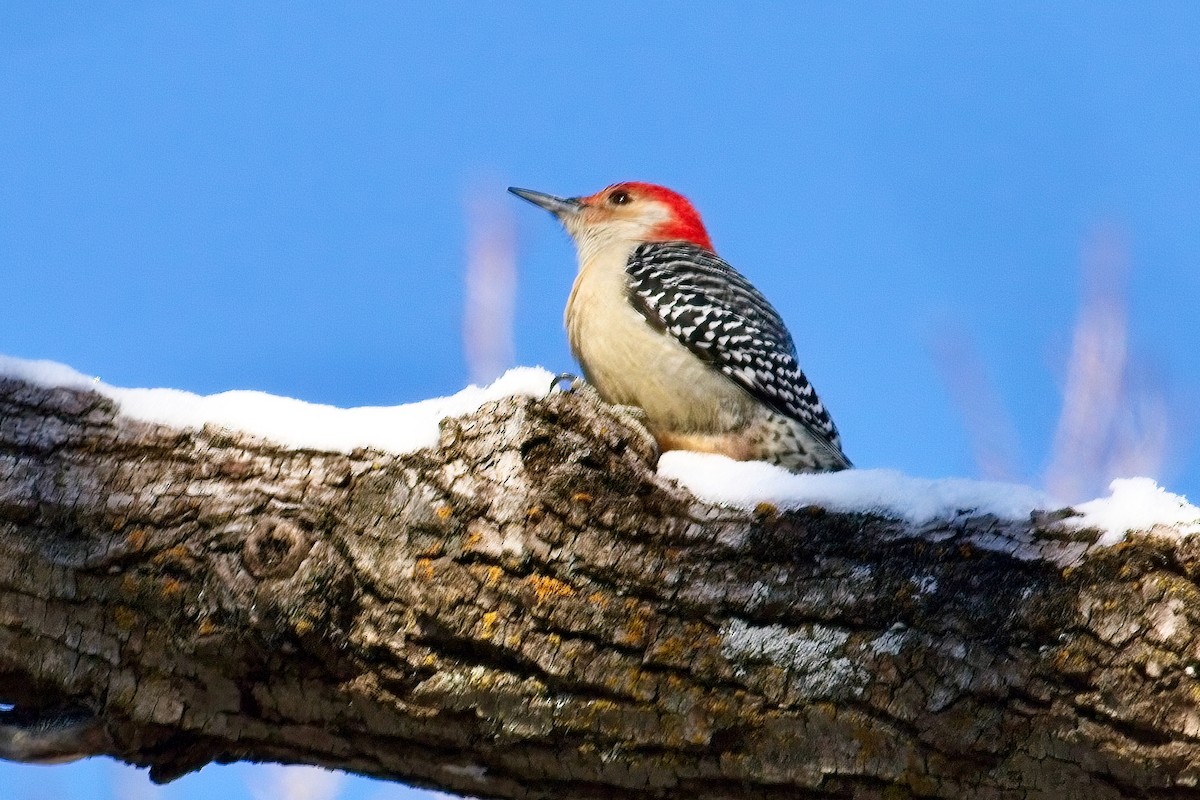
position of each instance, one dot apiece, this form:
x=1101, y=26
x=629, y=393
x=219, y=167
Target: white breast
x=631, y=363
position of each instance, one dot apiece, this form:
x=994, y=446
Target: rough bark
x=529, y=611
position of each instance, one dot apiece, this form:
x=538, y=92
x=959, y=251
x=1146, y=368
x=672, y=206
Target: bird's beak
x=560, y=207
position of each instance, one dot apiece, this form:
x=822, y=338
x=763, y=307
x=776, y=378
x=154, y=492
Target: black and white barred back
x=710, y=308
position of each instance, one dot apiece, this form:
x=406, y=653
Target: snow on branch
x=1134, y=503
x=287, y=422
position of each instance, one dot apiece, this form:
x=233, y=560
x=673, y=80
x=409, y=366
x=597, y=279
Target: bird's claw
x=635, y=420
x=632, y=417
x=570, y=383
x=565, y=382
x=629, y=414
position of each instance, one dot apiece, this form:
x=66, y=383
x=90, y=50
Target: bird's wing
x=710, y=308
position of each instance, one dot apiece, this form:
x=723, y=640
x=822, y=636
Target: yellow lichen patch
x=176, y=555
x=766, y=510
x=633, y=632
x=871, y=742
x=136, y=539
x=125, y=617
x=582, y=497
x=432, y=551
x=673, y=684
x=697, y=641
x=424, y=569
x=535, y=513
x=474, y=537
x=546, y=587
x=206, y=627
x=494, y=574
x=170, y=587
x=598, y=599
x=1071, y=662
x=303, y=626
x=444, y=512
x=488, y=629
x=670, y=649
x=592, y=716
x=719, y=708
x=1120, y=547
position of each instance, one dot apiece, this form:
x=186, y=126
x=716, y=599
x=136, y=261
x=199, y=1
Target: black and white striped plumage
x=709, y=307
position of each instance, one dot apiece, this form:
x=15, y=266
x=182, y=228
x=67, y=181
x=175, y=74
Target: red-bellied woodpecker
x=659, y=321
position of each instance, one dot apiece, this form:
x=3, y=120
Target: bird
x=657, y=320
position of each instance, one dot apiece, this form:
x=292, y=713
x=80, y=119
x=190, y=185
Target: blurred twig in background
x=490, y=288
x=1115, y=418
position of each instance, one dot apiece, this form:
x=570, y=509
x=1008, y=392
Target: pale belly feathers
x=631, y=363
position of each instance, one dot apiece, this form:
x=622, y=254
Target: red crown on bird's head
x=684, y=223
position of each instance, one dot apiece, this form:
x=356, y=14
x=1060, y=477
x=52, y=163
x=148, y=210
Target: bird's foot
x=632, y=417
x=568, y=382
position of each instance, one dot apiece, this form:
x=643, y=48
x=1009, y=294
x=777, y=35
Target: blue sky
x=272, y=196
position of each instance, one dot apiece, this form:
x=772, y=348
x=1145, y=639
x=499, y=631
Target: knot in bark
x=275, y=548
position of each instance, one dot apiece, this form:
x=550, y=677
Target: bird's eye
x=619, y=198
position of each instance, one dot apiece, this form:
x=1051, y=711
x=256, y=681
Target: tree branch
x=529, y=611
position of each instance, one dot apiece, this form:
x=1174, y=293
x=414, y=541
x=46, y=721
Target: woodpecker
x=659, y=321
